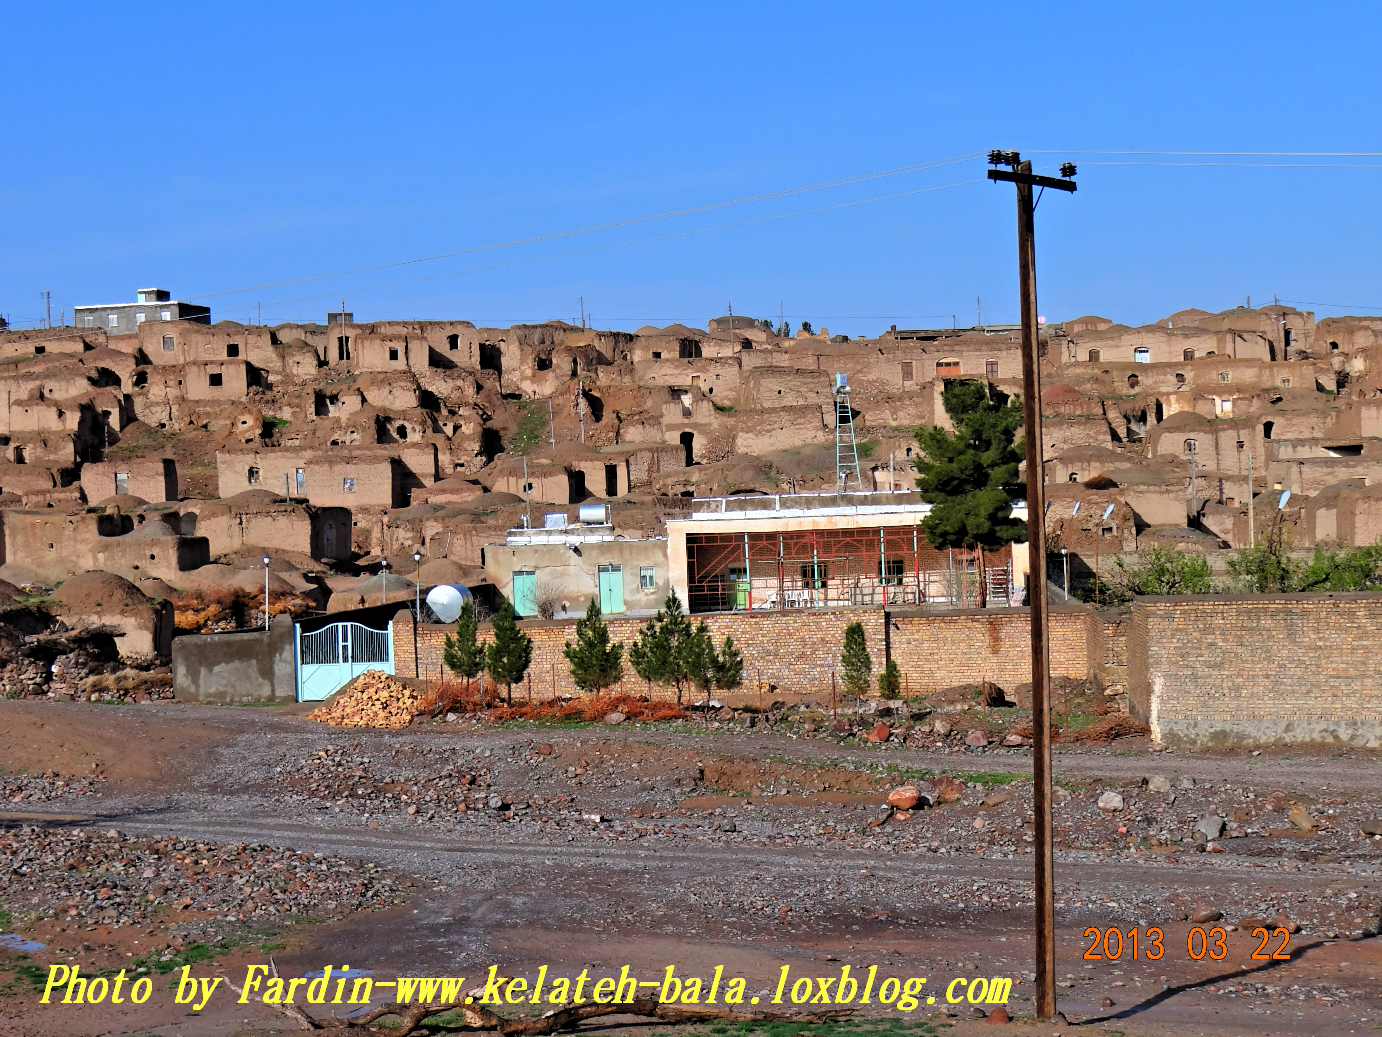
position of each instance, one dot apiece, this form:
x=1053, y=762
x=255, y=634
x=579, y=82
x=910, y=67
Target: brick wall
x=792, y=654
x=948, y=649
x=1293, y=668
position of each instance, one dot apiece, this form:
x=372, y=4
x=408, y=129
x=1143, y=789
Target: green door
x=611, y=589
x=525, y=593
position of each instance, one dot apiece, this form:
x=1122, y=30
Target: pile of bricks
x=373, y=699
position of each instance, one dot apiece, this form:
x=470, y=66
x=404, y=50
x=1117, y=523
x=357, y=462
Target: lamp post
x=265, y=560
x=417, y=587
x=1065, y=562
x=384, y=584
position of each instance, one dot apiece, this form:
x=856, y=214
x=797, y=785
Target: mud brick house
x=49, y=546
x=263, y=520
x=344, y=478
x=154, y=479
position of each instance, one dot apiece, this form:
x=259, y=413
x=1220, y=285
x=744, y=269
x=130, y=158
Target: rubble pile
x=106, y=878
x=373, y=699
x=405, y=781
x=44, y=788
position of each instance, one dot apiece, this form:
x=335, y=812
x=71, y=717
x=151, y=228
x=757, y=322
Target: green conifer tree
x=508, y=656
x=596, y=664
x=856, y=666
x=462, y=653
x=970, y=476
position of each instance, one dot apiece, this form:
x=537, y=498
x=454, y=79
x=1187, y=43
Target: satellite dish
x=1284, y=498
x=1108, y=511
x=446, y=601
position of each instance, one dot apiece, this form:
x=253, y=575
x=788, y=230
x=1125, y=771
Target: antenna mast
x=846, y=446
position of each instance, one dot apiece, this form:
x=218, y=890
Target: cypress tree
x=856, y=666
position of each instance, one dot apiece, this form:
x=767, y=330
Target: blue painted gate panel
x=330, y=658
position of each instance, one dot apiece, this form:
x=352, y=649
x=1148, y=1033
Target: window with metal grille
x=647, y=577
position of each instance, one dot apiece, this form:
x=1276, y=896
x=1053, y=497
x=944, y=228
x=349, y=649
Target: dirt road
x=605, y=846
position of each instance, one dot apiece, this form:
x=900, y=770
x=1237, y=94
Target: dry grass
x=204, y=611
x=1107, y=728
x=591, y=708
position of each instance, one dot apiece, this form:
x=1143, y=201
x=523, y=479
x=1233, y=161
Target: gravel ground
x=668, y=844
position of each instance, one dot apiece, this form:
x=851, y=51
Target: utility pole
x=1020, y=173
x=582, y=312
x=979, y=313
x=47, y=308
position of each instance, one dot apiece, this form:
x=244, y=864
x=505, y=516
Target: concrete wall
x=231, y=668
x=1261, y=669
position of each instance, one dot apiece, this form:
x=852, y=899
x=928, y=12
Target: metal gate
x=330, y=658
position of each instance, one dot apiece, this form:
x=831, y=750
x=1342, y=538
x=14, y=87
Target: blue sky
x=291, y=155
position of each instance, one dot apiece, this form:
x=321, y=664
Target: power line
x=1213, y=154
x=1242, y=165
x=1331, y=305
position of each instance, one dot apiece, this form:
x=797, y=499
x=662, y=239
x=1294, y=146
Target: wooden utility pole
x=1020, y=173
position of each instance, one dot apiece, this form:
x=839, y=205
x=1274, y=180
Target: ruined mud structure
x=184, y=455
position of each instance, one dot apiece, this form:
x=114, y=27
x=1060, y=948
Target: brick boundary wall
x=792, y=654
x=1258, y=670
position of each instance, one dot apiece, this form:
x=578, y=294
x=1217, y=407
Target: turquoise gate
x=330, y=658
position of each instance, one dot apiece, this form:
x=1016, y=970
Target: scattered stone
x=1206, y=914
x=942, y=728
x=1210, y=826
x=976, y=739
x=904, y=797
x=1158, y=783
x=1372, y=827
x=1110, y=802
x=881, y=732
x=999, y=1016
x=615, y=717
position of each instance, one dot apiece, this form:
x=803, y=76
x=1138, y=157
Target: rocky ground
x=729, y=841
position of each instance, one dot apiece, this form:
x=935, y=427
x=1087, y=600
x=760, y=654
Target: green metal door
x=611, y=589
x=525, y=593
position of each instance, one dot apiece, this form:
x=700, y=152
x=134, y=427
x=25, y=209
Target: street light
x=265, y=560
x=417, y=587
x=384, y=577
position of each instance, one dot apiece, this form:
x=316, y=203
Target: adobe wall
x=792, y=654
x=240, y=667
x=1257, y=670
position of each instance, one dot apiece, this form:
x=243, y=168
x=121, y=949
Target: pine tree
x=596, y=664
x=970, y=476
x=890, y=681
x=659, y=653
x=729, y=666
x=698, y=658
x=806, y=328
x=507, y=657
x=856, y=666
x=463, y=654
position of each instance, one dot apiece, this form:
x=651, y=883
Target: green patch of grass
x=1072, y=722
x=6, y=919
x=986, y=779
x=25, y=971
x=723, y=408
x=276, y=423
